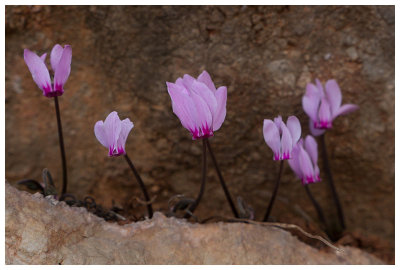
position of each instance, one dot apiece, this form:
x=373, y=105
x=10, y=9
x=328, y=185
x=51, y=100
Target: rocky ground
x=265, y=55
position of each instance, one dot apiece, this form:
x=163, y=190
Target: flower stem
x=61, y=142
x=317, y=206
x=141, y=184
x=271, y=202
x=203, y=182
x=330, y=181
x=221, y=179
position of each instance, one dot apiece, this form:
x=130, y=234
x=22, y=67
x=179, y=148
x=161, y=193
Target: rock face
x=40, y=231
x=122, y=57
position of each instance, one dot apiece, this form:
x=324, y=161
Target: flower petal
x=293, y=124
x=220, y=113
x=204, y=116
x=55, y=56
x=320, y=88
x=206, y=94
x=63, y=69
x=311, y=101
x=126, y=127
x=306, y=167
x=39, y=71
x=43, y=57
x=100, y=134
x=294, y=161
x=334, y=95
x=188, y=81
x=324, y=114
x=112, y=127
x=278, y=122
x=345, y=109
x=272, y=138
x=205, y=78
x=311, y=146
x=315, y=131
x=286, y=142
x=183, y=106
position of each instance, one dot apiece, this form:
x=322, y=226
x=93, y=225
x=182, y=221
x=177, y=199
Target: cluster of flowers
x=201, y=108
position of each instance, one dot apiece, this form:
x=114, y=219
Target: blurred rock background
x=122, y=57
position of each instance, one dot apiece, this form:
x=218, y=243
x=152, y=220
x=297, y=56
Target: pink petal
x=311, y=147
x=315, y=131
x=126, y=127
x=204, y=116
x=324, y=114
x=345, y=109
x=334, y=95
x=206, y=94
x=39, y=71
x=205, y=78
x=294, y=161
x=311, y=101
x=320, y=88
x=188, y=81
x=293, y=124
x=100, y=134
x=278, y=122
x=63, y=69
x=112, y=127
x=286, y=142
x=183, y=106
x=43, y=57
x=220, y=113
x=272, y=137
x=55, y=56
x=306, y=166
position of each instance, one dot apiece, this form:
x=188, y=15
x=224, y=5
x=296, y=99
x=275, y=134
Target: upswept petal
x=311, y=147
x=345, y=109
x=183, y=106
x=278, y=122
x=206, y=94
x=334, y=95
x=204, y=116
x=315, y=131
x=63, y=69
x=39, y=71
x=100, y=134
x=311, y=101
x=324, y=114
x=272, y=137
x=286, y=142
x=126, y=127
x=294, y=161
x=205, y=78
x=188, y=81
x=320, y=88
x=55, y=56
x=43, y=57
x=306, y=166
x=112, y=127
x=293, y=124
x=220, y=113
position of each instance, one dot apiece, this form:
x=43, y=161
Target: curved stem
x=271, y=202
x=141, y=184
x=203, y=182
x=61, y=142
x=317, y=206
x=330, y=181
x=221, y=179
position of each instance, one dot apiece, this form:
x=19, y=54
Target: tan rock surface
x=41, y=231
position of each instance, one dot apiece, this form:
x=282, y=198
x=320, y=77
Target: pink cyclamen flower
x=112, y=133
x=323, y=106
x=60, y=60
x=280, y=137
x=198, y=104
x=305, y=160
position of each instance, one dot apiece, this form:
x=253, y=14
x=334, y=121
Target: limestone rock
x=40, y=232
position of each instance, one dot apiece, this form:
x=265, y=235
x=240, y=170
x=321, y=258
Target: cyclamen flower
x=112, y=133
x=305, y=160
x=60, y=59
x=324, y=106
x=280, y=137
x=200, y=107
